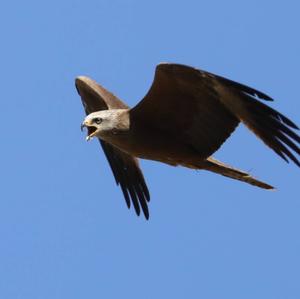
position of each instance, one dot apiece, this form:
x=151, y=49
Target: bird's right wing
x=201, y=110
x=125, y=168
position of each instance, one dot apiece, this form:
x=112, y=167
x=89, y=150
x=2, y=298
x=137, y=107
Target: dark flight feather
x=203, y=109
x=125, y=168
x=193, y=109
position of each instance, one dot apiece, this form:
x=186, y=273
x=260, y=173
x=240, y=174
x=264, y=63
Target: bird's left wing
x=125, y=168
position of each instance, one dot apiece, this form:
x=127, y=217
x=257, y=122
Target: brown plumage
x=185, y=117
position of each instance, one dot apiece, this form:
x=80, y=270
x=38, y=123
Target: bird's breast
x=151, y=144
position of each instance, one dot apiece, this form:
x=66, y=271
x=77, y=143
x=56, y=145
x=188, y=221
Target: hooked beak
x=91, y=130
x=82, y=126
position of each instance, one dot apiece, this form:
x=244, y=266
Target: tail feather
x=228, y=171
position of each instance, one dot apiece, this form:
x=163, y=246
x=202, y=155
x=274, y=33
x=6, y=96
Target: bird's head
x=105, y=122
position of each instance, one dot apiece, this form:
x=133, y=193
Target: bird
x=184, y=118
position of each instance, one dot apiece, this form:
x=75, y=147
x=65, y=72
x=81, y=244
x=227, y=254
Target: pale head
x=106, y=122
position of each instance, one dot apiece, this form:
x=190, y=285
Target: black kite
x=184, y=118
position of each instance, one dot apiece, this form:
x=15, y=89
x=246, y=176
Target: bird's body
x=142, y=141
x=184, y=118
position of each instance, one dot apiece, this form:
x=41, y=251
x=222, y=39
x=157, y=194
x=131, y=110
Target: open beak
x=91, y=130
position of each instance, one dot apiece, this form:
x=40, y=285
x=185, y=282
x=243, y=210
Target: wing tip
x=168, y=66
x=83, y=81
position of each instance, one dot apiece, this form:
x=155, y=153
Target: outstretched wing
x=202, y=110
x=125, y=168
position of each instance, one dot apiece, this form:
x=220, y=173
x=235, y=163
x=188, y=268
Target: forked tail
x=226, y=170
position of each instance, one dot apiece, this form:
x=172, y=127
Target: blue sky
x=65, y=230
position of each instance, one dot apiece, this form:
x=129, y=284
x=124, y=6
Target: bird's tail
x=228, y=171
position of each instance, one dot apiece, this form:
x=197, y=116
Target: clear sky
x=64, y=227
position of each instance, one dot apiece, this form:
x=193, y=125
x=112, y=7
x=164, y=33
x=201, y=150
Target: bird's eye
x=98, y=120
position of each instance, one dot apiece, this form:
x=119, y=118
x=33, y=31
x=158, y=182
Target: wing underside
x=202, y=110
x=125, y=168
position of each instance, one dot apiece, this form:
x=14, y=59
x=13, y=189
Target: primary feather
x=183, y=119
